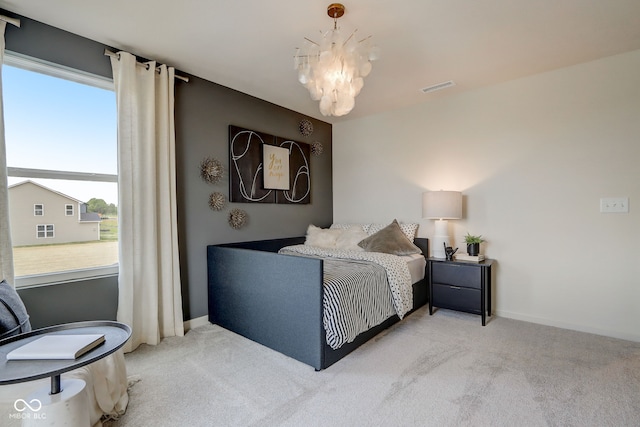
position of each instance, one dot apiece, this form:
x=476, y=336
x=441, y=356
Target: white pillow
x=321, y=237
x=341, y=226
x=350, y=237
x=408, y=229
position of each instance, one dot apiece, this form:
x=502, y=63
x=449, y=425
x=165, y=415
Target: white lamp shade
x=442, y=205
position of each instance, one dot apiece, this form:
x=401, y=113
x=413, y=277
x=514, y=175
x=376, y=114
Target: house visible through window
x=69, y=118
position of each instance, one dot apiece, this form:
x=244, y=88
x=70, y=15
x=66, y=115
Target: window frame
x=45, y=231
x=38, y=211
x=25, y=62
x=67, y=208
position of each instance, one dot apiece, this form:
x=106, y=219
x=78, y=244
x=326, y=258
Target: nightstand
x=459, y=285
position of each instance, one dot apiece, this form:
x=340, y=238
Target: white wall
x=532, y=157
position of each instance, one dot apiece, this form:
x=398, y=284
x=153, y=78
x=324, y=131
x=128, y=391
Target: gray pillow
x=390, y=240
x=13, y=314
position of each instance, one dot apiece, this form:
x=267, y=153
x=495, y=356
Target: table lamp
x=441, y=205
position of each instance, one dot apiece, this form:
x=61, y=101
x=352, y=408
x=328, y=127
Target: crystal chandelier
x=333, y=70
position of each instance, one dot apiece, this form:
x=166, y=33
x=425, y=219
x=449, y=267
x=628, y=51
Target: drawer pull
x=455, y=287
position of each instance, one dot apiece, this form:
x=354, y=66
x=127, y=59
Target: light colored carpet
x=440, y=370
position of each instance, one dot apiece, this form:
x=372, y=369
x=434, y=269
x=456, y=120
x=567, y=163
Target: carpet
x=440, y=370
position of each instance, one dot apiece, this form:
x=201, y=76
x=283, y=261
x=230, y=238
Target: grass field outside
x=41, y=259
x=109, y=229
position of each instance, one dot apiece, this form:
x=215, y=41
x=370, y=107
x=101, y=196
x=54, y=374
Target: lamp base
x=440, y=239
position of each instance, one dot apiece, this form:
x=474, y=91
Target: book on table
x=470, y=258
x=57, y=347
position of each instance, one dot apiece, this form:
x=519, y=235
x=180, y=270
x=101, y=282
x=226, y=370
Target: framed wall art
x=267, y=169
x=275, y=161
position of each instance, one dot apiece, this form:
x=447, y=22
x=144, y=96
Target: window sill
x=50, y=279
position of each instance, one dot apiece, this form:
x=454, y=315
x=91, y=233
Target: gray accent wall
x=91, y=299
x=204, y=110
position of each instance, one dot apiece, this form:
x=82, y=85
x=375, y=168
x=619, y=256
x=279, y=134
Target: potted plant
x=473, y=244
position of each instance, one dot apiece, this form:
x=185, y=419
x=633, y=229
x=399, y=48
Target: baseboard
x=204, y=320
x=565, y=325
x=194, y=323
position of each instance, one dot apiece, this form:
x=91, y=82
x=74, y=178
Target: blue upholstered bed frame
x=276, y=300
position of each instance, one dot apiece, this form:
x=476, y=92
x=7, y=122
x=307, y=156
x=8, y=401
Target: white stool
x=70, y=407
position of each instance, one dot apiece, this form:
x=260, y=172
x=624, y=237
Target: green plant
x=469, y=239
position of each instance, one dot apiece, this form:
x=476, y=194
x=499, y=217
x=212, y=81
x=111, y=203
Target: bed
x=276, y=299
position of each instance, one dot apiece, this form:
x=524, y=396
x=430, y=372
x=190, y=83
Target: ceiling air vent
x=438, y=86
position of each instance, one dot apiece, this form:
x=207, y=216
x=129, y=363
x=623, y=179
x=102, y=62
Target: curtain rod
x=107, y=52
x=12, y=21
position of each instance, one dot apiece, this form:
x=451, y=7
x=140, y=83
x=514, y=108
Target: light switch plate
x=614, y=205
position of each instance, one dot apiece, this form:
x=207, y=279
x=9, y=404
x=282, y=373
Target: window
x=44, y=231
x=69, y=118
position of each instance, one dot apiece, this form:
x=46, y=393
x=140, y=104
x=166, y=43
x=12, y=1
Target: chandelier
x=333, y=70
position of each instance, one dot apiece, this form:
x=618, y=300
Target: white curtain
x=149, y=298
x=6, y=251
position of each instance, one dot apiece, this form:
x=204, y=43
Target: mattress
x=417, y=264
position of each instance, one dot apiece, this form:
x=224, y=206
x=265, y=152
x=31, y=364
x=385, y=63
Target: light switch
x=614, y=205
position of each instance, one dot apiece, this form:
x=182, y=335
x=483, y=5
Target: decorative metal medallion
x=217, y=201
x=211, y=170
x=237, y=218
x=306, y=127
x=317, y=148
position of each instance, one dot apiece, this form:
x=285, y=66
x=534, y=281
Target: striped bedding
x=361, y=290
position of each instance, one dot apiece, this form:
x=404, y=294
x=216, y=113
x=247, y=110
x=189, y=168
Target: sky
x=52, y=123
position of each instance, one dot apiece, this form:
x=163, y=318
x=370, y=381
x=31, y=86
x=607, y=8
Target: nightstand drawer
x=456, y=274
x=457, y=298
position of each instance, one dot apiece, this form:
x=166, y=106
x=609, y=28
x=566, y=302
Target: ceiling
x=248, y=45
